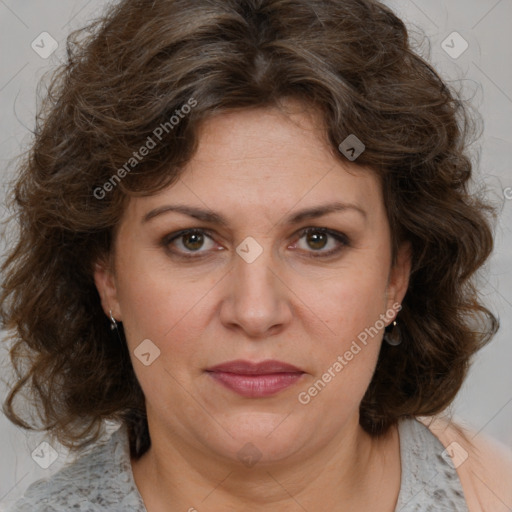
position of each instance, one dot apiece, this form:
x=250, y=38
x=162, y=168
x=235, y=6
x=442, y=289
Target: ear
x=398, y=281
x=105, y=282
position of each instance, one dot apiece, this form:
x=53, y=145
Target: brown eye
x=193, y=241
x=189, y=241
x=318, y=239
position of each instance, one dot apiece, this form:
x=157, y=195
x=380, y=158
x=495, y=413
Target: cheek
x=152, y=299
x=344, y=360
x=164, y=305
x=333, y=307
x=351, y=301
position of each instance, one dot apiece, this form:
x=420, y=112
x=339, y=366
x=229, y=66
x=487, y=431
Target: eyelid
x=332, y=232
x=168, y=239
x=340, y=238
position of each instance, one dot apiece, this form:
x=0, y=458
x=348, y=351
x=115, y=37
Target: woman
x=246, y=235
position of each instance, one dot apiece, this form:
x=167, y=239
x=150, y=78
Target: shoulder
x=483, y=464
x=68, y=489
x=93, y=480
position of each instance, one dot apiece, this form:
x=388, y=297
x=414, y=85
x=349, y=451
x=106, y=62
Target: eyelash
x=339, y=237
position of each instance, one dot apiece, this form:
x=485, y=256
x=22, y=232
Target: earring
x=113, y=323
x=392, y=334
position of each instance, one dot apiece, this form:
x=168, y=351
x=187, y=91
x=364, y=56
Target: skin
x=256, y=167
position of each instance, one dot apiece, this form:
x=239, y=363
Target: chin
x=259, y=437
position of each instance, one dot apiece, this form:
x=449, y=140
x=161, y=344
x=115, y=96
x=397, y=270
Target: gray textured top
x=102, y=480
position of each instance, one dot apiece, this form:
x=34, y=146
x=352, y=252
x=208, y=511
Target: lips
x=249, y=368
x=255, y=380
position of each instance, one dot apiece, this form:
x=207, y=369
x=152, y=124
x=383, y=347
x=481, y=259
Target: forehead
x=265, y=140
x=265, y=158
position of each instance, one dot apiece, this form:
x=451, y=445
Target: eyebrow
x=216, y=218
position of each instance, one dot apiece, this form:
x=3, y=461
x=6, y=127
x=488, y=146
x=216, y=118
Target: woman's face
x=250, y=285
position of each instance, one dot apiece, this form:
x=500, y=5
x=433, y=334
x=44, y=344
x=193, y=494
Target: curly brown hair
x=126, y=74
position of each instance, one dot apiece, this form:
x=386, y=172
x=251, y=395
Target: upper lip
x=242, y=367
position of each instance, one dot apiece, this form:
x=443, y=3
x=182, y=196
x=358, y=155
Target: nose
x=256, y=299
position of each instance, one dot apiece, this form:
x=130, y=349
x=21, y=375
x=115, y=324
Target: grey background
x=485, y=72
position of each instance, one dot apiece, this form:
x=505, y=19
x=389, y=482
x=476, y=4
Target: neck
x=352, y=469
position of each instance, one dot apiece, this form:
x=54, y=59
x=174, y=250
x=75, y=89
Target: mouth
x=255, y=380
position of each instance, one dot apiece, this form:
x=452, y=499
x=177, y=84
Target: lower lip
x=256, y=386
